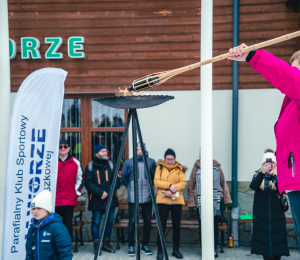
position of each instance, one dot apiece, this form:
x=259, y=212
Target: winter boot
x=145, y=249
x=216, y=254
x=176, y=253
x=131, y=251
x=107, y=247
x=160, y=255
x=96, y=241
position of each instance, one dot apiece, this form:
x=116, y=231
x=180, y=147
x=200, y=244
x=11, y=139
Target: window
x=86, y=123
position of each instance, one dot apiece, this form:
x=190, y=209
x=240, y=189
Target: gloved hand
x=192, y=208
x=229, y=206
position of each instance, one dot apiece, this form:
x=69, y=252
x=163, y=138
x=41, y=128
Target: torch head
x=144, y=83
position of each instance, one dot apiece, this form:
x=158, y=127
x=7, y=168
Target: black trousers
x=146, y=214
x=294, y=198
x=277, y=257
x=164, y=210
x=66, y=213
x=216, y=228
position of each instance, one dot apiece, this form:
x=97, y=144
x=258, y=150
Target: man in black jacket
x=99, y=176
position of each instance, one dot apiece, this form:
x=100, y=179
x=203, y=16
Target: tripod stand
x=136, y=131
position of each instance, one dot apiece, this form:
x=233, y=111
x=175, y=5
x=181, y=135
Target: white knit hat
x=43, y=200
x=269, y=155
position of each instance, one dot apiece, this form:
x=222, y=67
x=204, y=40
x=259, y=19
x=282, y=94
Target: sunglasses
x=63, y=146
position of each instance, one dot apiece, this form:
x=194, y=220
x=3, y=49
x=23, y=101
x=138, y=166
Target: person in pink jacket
x=286, y=78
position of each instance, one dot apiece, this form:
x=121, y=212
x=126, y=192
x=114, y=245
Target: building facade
x=105, y=45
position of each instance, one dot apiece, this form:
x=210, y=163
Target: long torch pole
x=207, y=217
x=4, y=104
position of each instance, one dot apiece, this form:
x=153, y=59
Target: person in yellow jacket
x=170, y=180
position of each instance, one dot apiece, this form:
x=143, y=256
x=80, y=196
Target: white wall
x=176, y=124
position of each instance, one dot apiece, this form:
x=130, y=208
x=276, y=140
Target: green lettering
x=12, y=49
x=75, y=47
x=30, y=48
x=52, y=53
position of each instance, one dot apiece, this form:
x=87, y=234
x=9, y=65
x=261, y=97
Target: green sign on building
x=30, y=48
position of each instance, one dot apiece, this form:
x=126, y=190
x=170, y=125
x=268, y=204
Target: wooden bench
x=288, y=221
x=121, y=223
x=77, y=224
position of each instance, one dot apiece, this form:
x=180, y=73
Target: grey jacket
x=127, y=179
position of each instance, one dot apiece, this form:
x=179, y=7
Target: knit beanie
x=170, y=152
x=269, y=155
x=99, y=147
x=43, y=200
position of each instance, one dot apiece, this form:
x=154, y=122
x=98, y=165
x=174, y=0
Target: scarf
x=216, y=190
x=40, y=222
x=171, y=167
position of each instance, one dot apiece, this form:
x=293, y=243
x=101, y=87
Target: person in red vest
x=69, y=184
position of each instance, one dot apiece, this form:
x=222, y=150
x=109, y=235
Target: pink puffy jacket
x=287, y=129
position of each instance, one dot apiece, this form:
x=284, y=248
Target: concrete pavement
x=188, y=252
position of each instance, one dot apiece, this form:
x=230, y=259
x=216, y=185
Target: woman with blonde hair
x=269, y=237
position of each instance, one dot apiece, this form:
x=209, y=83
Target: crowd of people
x=168, y=176
x=269, y=231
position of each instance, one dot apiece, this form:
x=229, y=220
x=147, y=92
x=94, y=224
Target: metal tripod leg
x=113, y=185
x=136, y=188
x=159, y=227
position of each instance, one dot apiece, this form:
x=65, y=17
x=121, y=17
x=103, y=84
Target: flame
x=120, y=90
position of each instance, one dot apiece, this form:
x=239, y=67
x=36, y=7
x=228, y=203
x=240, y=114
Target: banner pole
x=207, y=216
x=4, y=104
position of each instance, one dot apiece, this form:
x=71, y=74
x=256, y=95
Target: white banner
x=32, y=153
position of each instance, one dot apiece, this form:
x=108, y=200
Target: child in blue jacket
x=47, y=237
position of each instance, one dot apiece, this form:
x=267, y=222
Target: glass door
x=86, y=123
x=71, y=129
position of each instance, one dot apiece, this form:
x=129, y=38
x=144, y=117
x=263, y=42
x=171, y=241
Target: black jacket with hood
x=99, y=177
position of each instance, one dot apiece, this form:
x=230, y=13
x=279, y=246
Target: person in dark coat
x=269, y=225
x=127, y=178
x=99, y=176
x=48, y=237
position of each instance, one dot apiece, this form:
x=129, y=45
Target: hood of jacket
x=182, y=167
x=198, y=163
x=53, y=217
x=140, y=157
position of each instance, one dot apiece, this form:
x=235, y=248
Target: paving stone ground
x=189, y=253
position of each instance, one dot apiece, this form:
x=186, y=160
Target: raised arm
x=284, y=77
x=280, y=74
